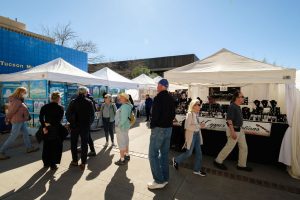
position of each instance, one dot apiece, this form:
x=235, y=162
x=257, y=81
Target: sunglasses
x=198, y=104
x=241, y=97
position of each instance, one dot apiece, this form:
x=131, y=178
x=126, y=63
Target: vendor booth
x=146, y=86
x=115, y=80
x=41, y=81
x=266, y=112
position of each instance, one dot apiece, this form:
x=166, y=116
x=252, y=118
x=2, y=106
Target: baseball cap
x=164, y=82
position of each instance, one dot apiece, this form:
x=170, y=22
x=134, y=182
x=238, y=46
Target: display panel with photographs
x=38, y=89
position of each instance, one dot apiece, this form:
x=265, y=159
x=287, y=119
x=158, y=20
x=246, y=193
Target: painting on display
x=29, y=104
x=6, y=92
x=25, y=84
x=102, y=90
x=58, y=87
x=37, y=105
x=38, y=89
x=96, y=92
x=71, y=91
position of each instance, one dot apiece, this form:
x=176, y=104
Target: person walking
x=148, y=106
x=163, y=114
x=122, y=121
x=17, y=115
x=50, y=117
x=80, y=114
x=108, y=112
x=193, y=138
x=235, y=134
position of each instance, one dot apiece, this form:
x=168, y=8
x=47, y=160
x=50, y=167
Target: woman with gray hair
x=193, y=138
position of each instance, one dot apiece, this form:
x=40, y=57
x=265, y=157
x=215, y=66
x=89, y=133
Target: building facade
x=21, y=49
x=157, y=65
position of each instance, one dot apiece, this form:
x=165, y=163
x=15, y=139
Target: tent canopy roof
x=56, y=70
x=226, y=67
x=144, y=81
x=114, y=79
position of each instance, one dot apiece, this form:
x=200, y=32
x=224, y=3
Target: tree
x=140, y=70
x=64, y=35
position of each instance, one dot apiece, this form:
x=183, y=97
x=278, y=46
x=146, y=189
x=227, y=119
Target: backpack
x=132, y=118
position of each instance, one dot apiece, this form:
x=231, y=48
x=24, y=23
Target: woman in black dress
x=51, y=116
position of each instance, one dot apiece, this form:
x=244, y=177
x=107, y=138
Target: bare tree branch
x=64, y=34
x=86, y=46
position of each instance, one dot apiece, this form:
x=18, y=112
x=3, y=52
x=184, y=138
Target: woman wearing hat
x=122, y=121
x=193, y=138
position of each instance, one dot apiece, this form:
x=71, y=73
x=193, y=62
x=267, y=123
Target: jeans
x=108, y=128
x=15, y=131
x=198, y=154
x=84, y=137
x=159, y=153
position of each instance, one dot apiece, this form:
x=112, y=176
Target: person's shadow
x=34, y=187
x=99, y=163
x=63, y=186
x=120, y=186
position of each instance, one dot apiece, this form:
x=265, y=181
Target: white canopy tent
x=227, y=68
x=114, y=79
x=145, y=82
x=257, y=80
x=56, y=70
x=172, y=87
x=146, y=86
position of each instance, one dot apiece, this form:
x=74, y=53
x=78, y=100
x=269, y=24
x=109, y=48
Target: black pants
x=108, y=129
x=91, y=142
x=84, y=134
x=148, y=113
x=52, y=151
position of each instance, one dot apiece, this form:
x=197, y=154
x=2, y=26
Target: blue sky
x=130, y=29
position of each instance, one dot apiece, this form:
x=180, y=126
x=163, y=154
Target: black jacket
x=80, y=112
x=52, y=113
x=163, y=110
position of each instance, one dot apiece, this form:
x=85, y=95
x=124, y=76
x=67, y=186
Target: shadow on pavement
x=99, y=163
x=120, y=186
x=62, y=187
x=34, y=187
x=18, y=150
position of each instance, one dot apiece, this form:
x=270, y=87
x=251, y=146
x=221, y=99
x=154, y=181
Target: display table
x=262, y=147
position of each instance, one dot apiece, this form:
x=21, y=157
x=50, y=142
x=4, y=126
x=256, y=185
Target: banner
x=250, y=127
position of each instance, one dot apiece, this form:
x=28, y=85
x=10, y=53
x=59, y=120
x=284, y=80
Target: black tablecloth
x=260, y=149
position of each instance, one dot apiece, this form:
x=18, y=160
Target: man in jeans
x=235, y=134
x=80, y=114
x=163, y=113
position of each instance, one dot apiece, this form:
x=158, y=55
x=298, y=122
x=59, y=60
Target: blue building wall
x=19, y=52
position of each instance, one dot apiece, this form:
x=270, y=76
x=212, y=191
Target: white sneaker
x=200, y=173
x=113, y=144
x=106, y=144
x=153, y=185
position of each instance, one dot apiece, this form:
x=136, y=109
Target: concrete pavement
x=22, y=177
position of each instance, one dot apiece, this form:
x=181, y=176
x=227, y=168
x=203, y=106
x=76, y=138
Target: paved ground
x=22, y=177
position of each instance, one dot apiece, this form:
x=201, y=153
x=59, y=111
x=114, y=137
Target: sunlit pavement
x=23, y=176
